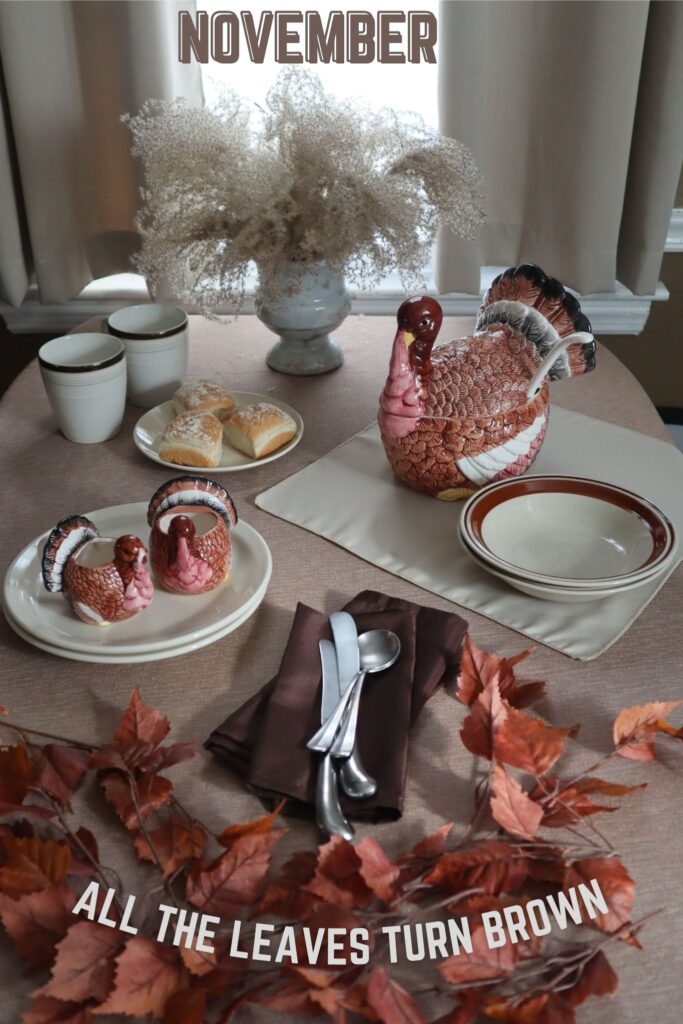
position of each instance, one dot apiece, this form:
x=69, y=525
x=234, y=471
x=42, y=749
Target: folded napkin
x=264, y=741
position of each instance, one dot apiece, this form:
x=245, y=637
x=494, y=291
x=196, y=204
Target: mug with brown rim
x=156, y=341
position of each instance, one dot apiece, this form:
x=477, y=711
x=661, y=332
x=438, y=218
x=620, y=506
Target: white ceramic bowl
x=557, y=594
x=156, y=340
x=567, y=531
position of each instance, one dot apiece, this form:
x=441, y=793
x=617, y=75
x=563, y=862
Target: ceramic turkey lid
x=192, y=490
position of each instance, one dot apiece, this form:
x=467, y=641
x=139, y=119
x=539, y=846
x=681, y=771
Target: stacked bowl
x=565, y=538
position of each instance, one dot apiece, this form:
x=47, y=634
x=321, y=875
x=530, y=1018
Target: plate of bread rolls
x=204, y=426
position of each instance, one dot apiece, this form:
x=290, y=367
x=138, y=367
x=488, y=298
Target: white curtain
x=574, y=112
x=68, y=184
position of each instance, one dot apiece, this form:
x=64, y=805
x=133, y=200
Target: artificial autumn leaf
x=84, y=853
x=286, y=895
x=431, y=846
x=616, y=885
x=54, y=1011
x=84, y=965
x=31, y=864
x=147, y=975
x=487, y=715
x=185, y=1007
x=16, y=775
x=197, y=962
x=59, y=770
x=152, y=792
x=546, y=1008
x=140, y=724
x=176, y=843
x=565, y=802
x=225, y=885
x=511, y=806
x=635, y=729
x=291, y=997
x=527, y=743
x=323, y=919
x=166, y=757
x=482, y=964
x=596, y=979
x=258, y=825
x=37, y=921
x=337, y=877
x=391, y=1003
x=467, y=1010
x=494, y=866
x=478, y=668
x=376, y=870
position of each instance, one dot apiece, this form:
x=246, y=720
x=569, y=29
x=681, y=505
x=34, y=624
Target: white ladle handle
x=578, y=338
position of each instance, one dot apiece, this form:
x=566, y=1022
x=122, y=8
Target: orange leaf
x=337, y=877
x=37, y=921
x=597, y=979
x=59, y=770
x=224, y=886
x=147, y=975
x=487, y=715
x=54, y=1011
x=257, y=826
x=478, y=668
x=546, y=1008
x=185, y=1008
x=153, y=791
x=197, y=962
x=84, y=966
x=176, y=843
x=32, y=864
x=285, y=894
x=482, y=964
x=16, y=774
x=527, y=743
x=391, y=1003
x=511, y=806
x=635, y=729
x=140, y=724
x=493, y=866
x=376, y=870
x=566, y=803
x=616, y=885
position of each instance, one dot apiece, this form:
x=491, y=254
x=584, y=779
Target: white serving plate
x=578, y=540
x=172, y=621
x=149, y=428
x=130, y=659
x=558, y=594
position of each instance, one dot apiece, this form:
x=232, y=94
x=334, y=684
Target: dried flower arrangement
x=499, y=860
x=308, y=178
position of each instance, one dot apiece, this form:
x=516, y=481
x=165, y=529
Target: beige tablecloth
x=46, y=477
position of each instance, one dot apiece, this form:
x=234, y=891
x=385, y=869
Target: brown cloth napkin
x=264, y=741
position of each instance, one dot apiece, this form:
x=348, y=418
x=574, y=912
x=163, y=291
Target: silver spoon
x=379, y=649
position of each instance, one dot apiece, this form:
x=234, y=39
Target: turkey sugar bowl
x=473, y=411
x=104, y=579
x=190, y=518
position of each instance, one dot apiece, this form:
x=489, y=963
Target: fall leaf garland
x=499, y=860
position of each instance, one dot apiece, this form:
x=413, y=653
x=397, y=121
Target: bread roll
x=193, y=439
x=259, y=430
x=204, y=396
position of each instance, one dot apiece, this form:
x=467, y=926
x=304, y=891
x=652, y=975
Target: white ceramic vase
x=309, y=305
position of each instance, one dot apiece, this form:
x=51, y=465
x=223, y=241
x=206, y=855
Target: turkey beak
x=408, y=339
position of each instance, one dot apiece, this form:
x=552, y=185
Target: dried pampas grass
x=308, y=178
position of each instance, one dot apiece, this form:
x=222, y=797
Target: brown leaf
x=377, y=871
x=337, y=878
x=596, y=979
x=37, y=921
x=16, y=774
x=140, y=724
x=153, y=791
x=547, y=1008
x=236, y=878
x=324, y=918
x=59, y=769
x=257, y=826
x=467, y=1010
x=616, y=885
x=478, y=668
x=494, y=866
x=197, y=962
x=565, y=802
x=185, y=1007
x=527, y=743
x=482, y=964
x=511, y=806
x=285, y=895
x=31, y=864
x=147, y=975
x=433, y=845
x=176, y=843
x=391, y=1003
x=487, y=715
x=80, y=863
x=635, y=729
x=84, y=966
x=54, y=1011
x=291, y=997
x=166, y=757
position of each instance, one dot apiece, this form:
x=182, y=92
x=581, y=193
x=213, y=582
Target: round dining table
x=45, y=477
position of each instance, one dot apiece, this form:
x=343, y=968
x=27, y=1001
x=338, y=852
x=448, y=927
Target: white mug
x=85, y=379
x=156, y=340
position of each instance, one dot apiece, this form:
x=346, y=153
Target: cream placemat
x=351, y=497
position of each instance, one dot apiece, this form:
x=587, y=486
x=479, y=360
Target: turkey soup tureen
x=474, y=411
